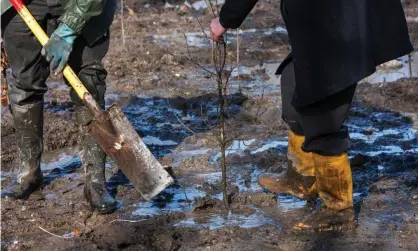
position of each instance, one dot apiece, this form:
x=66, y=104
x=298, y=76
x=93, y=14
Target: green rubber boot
x=28, y=121
x=94, y=159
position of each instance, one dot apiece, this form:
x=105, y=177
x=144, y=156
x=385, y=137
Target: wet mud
x=173, y=106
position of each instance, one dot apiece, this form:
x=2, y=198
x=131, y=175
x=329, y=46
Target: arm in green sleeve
x=78, y=12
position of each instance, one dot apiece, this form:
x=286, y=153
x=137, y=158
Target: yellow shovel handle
x=39, y=33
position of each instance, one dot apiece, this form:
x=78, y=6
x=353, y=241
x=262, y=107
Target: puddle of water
x=390, y=75
x=385, y=150
x=199, y=40
x=65, y=159
x=278, y=29
x=215, y=221
x=288, y=203
x=262, y=80
x=269, y=145
x=244, y=184
x=171, y=200
x=258, y=85
x=178, y=199
x=237, y=146
x=199, y=5
x=150, y=140
x=376, y=132
x=405, y=133
x=196, y=41
x=55, y=163
x=211, y=178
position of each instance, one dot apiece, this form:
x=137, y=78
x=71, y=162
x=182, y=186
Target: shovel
x=112, y=130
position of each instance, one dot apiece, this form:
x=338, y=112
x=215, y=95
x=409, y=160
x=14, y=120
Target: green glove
x=58, y=48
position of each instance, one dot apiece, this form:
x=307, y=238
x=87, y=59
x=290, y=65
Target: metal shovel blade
x=117, y=137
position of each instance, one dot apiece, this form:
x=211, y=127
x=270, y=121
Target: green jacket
x=76, y=12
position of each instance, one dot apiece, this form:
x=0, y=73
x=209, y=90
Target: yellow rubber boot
x=301, y=161
x=299, y=177
x=334, y=184
x=334, y=181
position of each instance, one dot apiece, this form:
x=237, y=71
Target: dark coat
x=335, y=43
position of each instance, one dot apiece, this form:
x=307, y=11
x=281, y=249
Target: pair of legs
x=30, y=71
x=318, y=163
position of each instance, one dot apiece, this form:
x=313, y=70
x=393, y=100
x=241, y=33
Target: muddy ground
x=167, y=97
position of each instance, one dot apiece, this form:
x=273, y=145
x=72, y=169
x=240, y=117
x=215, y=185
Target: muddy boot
x=93, y=160
x=299, y=177
x=28, y=121
x=335, y=188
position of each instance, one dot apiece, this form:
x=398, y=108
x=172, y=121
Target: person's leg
x=322, y=124
x=328, y=140
x=87, y=62
x=26, y=90
x=299, y=178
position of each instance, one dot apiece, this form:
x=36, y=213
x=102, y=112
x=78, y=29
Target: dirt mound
x=391, y=96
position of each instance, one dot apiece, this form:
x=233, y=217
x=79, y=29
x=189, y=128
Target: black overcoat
x=335, y=43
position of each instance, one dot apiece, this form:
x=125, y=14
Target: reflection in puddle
x=219, y=220
x=170, y=200
x=248, y=183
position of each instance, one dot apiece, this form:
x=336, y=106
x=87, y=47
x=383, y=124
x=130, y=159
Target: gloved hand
x=58, y=48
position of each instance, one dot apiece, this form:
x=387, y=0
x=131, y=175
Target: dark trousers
x=321, y=123
x=30, y=70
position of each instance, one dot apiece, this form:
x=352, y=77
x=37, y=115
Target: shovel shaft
x=39, y=33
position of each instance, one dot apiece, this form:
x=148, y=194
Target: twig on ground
x=59, y=236
x=122, y=220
